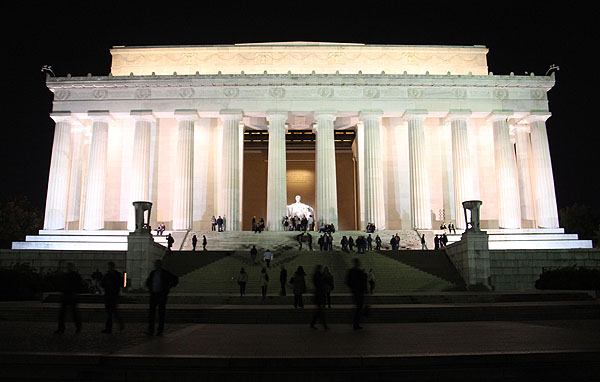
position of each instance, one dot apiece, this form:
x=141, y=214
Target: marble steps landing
x=526, y=238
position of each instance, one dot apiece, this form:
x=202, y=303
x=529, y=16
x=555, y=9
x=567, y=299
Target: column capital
x=499, y=115
x=273, y=115
x=415, y=114
x=100, y=116
x=329, y=115
x=370, y=115
x=458, y=114
x=522, y=128
x=61, y=116
x=537, y=116
x=186, y=115
x=231, y=114
x=142, y=115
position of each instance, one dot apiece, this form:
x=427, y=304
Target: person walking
x=112, y=283
x=344, y=244
x=204, y=242
x=253, y=253
x=299, y=238
x=299, y=284
x=170, y=241
x=351, y=244
x=213, y=223
x=319, y=297
x=369, y=243
x=194, y=242
x=371, y=280
x=220, y=224
x=328, y=278
x=423, y=245
x=393, y=243
x=356, y=279
x=264, y=282
x=282, y=280
x=268, y=256
x=330, y=241
x=70, y=285
x=377, y=243
x=309, y=241
x=242, y=280
x=436, y=242
x=159, y=283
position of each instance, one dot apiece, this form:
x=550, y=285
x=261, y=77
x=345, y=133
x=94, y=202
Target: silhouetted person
x=309, y=240
x=377, y=243
x=242, y=280
x=423, y=245
x=436, y=242
x=268, y=256
x=159, y=283
x=299, y=286
x=70, y=284
x=112, y=283
x=264, y=282
x=170, y=241
x=319, y=297
x=356, y=279
x=253, y=253
x=283, y=280
x=204, y=242
x=351, y=244
x=371, y=280
x=220, y=224
x=194, y=242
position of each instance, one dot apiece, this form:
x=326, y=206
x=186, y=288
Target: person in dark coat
x=70, y=285
x=112, y=283
x=436, y=242
x=220, y=224
x=299, y=284
x=309, y=240
x=356, y=279
x=328, y=278
x=194, y=242
x=282, y=280
x=159, y=283
x=253, y=253
x=204, y=242
x=170, y=241
x=319, y=297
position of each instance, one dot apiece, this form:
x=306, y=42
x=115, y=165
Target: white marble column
x=184, y=170
x=523, y=151
x=461, y=163
x=60, y=166
x=78, y=132
x=93, y=218
x=506, y=179
x=139, y=189
x=419, y=179
x=373, y=177
x=230, y=170
x=327, y=209
x=276, y=181
x=543, y=181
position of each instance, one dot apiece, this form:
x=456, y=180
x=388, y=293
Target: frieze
x=142, y=93
x=277, y=92
x=231, y=92
x=99, y=93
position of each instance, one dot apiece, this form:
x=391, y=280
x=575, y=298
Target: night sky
x=76, y=39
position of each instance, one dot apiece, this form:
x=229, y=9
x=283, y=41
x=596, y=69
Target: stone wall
x=519, y=269
x=86, y=262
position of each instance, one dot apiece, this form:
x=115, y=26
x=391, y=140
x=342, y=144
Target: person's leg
x=61, y=318
x=359, y=300
x=301, y=302
x=241, y=289
x=76, y=317
x=109, y=308
x=329, y=299
x=295, y=300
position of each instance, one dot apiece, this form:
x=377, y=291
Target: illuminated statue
x=300, y=210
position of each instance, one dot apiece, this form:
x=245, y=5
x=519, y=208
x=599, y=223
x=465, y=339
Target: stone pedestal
x=471, y=257
x=142, y=251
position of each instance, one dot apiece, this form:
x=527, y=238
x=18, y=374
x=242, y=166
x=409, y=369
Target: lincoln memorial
x=398, y=136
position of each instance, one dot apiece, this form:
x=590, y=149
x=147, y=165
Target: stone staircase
x=218, y=274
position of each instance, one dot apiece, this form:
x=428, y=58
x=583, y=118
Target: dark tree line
x=18, y=218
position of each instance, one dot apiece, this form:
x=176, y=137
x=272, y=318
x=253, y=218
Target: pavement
x=275, y=340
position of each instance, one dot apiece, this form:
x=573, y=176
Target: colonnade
x=530, y=179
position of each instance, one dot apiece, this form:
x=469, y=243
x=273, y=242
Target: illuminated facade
x=394, y=135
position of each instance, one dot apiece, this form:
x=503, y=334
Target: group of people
x=217, y=224
x=258, y=225
x=395, y=242
x=370, y=228
x=295, y=223
x=195, y=242
x=362, y=244
x=440, y=241
x=326, y=228
x=159, y=284
x=160, y=229
x=451, y=228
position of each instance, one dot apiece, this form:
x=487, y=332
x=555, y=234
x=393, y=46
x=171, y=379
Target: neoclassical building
x=394, y=135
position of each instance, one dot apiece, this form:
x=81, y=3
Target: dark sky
x=76, y=38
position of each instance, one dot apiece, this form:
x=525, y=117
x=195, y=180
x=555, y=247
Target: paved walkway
x=277, y=341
